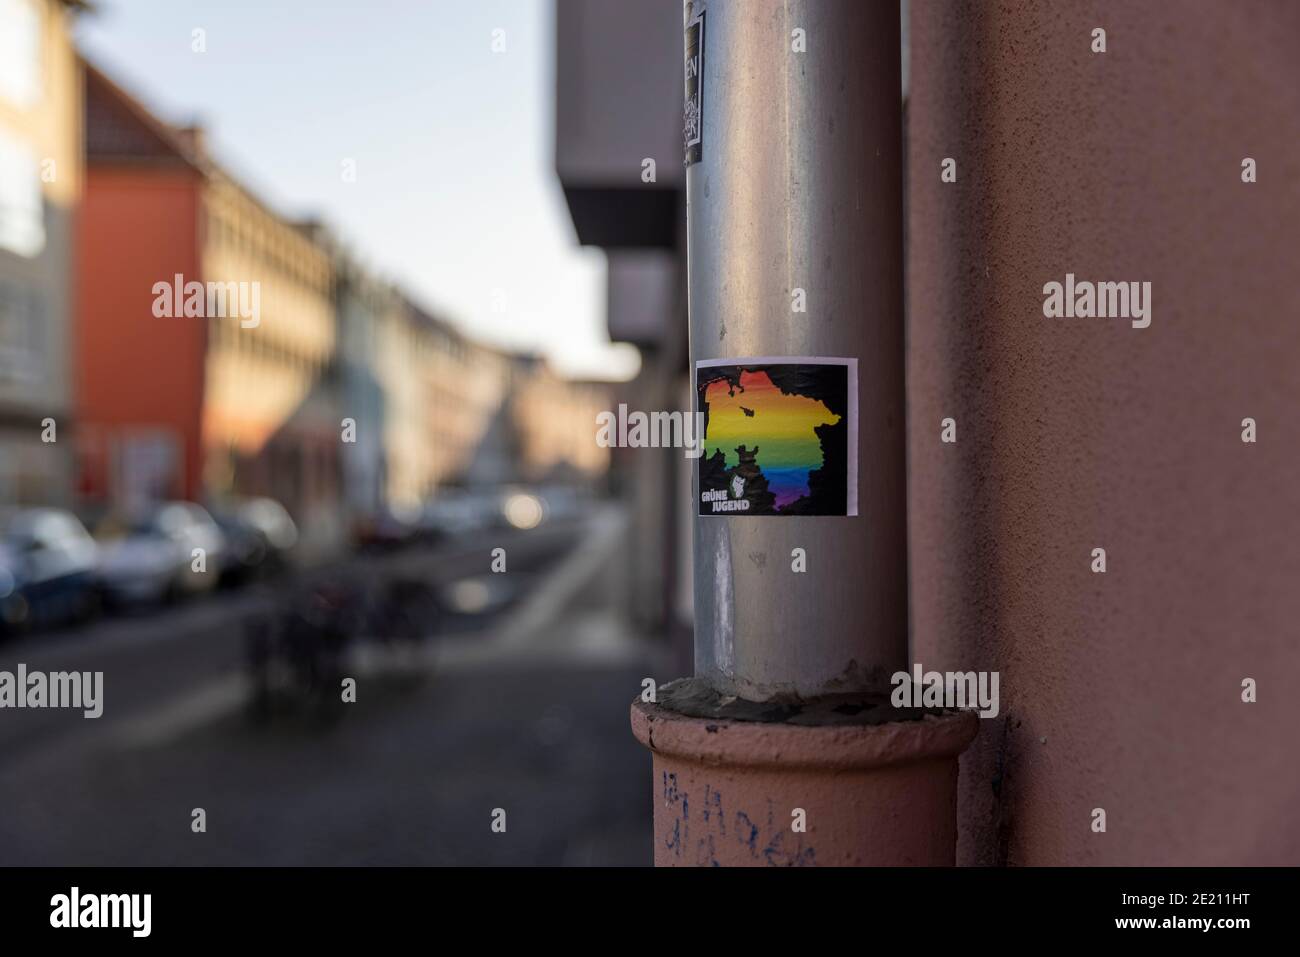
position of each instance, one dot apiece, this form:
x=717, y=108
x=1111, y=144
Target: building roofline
x=169, y=135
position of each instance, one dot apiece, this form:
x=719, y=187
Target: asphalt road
x=522, y=710
x=155, y=658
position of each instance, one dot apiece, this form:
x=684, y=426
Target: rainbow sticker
x=780, y=436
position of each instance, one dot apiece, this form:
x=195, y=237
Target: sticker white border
x=851, y=364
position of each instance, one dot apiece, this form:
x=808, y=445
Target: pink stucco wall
x=1119, y=690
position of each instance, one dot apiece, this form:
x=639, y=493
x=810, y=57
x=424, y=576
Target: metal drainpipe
x=784, y=747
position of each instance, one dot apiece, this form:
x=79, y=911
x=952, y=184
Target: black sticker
x=693, y=109
x=780, y=436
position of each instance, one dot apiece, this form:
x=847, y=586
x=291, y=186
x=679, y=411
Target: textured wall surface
x=1119, y=690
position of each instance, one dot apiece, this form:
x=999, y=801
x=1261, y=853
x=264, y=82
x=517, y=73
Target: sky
x=455, y=196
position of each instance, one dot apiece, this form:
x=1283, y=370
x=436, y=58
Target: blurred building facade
x=463, y=387
x=367, y=309
x=556, y=420
x=40, y=183
x=307, y=379
x=271, y=423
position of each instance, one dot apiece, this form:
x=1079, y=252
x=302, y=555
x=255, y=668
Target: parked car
x=47, y=569
x=460, y=512
x=153, y=557
x=447, y=517
x=259, y=536
x=563, y=501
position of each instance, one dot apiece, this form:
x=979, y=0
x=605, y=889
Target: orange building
x=139, y=379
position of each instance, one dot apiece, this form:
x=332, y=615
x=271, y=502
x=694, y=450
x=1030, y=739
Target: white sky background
x=455, y=194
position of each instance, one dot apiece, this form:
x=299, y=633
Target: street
x=522, y=709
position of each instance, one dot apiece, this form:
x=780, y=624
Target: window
x=20, y=52
x=22, y=215
x=22, y=340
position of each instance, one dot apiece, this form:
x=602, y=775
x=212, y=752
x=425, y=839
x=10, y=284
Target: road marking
x=553, y=594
